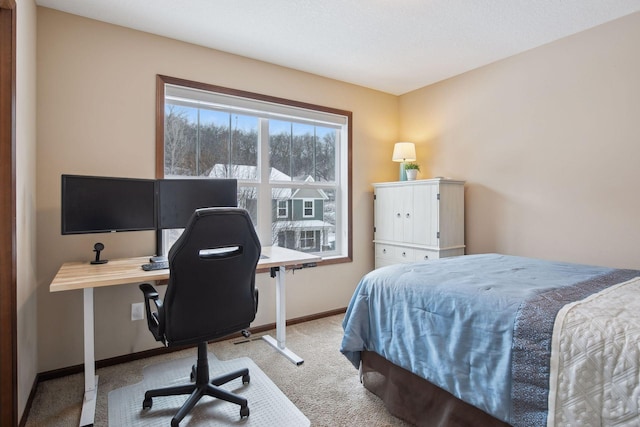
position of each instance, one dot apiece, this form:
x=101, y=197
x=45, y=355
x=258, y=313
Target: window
x=283, y=209
x=307, y=208
x=291, y=159
x=307, y=240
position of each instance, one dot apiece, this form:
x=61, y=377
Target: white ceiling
x=391, y=45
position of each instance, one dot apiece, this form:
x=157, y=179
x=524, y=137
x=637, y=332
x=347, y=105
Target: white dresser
x=418, y=220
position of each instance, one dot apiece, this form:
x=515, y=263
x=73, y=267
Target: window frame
x=162, y=80
x=285, y=208
x=304, y=208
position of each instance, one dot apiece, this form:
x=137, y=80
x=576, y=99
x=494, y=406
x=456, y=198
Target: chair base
x=203, y=386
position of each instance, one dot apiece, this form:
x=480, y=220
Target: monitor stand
x=158, y=257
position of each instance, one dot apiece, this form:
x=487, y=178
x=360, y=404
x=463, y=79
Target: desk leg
x=281, y=321
x=90, y=378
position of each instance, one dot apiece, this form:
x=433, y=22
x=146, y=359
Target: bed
x=499, y=340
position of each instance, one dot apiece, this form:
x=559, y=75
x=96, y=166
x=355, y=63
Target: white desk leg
x=90, y=378
x=281, y=321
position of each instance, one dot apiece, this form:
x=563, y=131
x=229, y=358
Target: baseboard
x=32, y=396
x=75, y=369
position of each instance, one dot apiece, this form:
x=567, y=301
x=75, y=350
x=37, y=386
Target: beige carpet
x=326, y=388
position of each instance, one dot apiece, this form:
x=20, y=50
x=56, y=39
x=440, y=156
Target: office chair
x=211, y=293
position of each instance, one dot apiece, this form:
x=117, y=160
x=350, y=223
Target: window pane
x=232, y=153
x=248, y=199
x=303, y=151
x=329, y=213
x=325, y=157
x=180, y=140
x=244, y=147
x=280, y=150
x=212, y=145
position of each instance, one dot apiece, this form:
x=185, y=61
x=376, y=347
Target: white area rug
x=268, y=406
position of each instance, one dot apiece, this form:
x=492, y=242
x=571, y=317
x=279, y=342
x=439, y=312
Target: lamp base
x=403, y=172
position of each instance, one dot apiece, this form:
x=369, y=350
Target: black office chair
x=211, y=293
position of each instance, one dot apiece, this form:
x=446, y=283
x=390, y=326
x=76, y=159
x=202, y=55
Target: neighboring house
x=299, y=220
x=298, y=215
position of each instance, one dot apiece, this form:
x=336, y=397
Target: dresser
x=418, y=220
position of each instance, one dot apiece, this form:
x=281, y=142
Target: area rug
x=268, y=406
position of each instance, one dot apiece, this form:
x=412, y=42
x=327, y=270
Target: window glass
x=291, y=162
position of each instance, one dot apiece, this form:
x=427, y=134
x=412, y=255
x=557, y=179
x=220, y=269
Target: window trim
x=161, y=80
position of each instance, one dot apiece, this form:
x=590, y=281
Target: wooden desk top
x=80, y=275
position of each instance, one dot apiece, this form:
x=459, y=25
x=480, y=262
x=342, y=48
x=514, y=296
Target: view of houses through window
x=291, y=163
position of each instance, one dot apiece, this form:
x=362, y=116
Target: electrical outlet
x=137, y=311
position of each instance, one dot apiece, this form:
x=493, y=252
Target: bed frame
x=416, y=400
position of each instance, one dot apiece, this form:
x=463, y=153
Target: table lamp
x=404, y=152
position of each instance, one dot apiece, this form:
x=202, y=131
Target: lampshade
x=404, y=152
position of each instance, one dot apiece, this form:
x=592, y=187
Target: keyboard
x=160, y=265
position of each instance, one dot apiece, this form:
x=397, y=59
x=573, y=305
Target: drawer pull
x=398, y=215
x=404, y=254
x=408, y=215
x=384, y=251
x=426, y=257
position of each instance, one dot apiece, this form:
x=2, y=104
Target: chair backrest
x=211, y=291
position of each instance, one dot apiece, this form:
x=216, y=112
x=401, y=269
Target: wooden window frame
x=162, y=80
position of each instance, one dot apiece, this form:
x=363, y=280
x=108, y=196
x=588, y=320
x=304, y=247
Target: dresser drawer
x=385, y=251
x=425, y=254
x=404, y=254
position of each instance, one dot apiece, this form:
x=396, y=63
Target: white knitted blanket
x=595, y=358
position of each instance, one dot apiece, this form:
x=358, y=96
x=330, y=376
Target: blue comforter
x=451, y=321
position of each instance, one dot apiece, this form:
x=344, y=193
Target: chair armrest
x=155, y=319
x=148, y=291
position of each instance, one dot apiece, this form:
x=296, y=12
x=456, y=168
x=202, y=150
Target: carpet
x=268, y=406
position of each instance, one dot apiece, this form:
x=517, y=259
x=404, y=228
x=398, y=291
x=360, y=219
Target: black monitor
x=179, y=198
x=95, y=204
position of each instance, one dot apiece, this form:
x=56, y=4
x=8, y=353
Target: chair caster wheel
x=147, y=403
x=246, y=379
x=244, y=412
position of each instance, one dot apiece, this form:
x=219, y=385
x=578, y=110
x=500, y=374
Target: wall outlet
x=137, y=311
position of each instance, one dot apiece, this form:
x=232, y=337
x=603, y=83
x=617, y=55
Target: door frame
x=8, y=271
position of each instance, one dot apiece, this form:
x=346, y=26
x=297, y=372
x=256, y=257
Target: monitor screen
x=93, y=204
x=179, y=198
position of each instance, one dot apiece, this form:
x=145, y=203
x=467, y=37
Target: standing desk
x=85, y=276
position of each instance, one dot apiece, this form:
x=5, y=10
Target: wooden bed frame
x=416, y=400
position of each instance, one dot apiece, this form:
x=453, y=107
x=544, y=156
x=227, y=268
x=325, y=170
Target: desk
x=85, y=276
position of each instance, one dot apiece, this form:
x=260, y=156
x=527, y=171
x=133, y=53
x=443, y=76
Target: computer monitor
x=95, y=204
x=179, y=198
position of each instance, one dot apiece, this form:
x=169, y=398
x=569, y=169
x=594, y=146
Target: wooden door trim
x=8, y=274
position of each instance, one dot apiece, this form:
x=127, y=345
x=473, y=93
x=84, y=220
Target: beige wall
x=96, y=106
x=549, y=144
x=547, y=141
x=26, y=289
